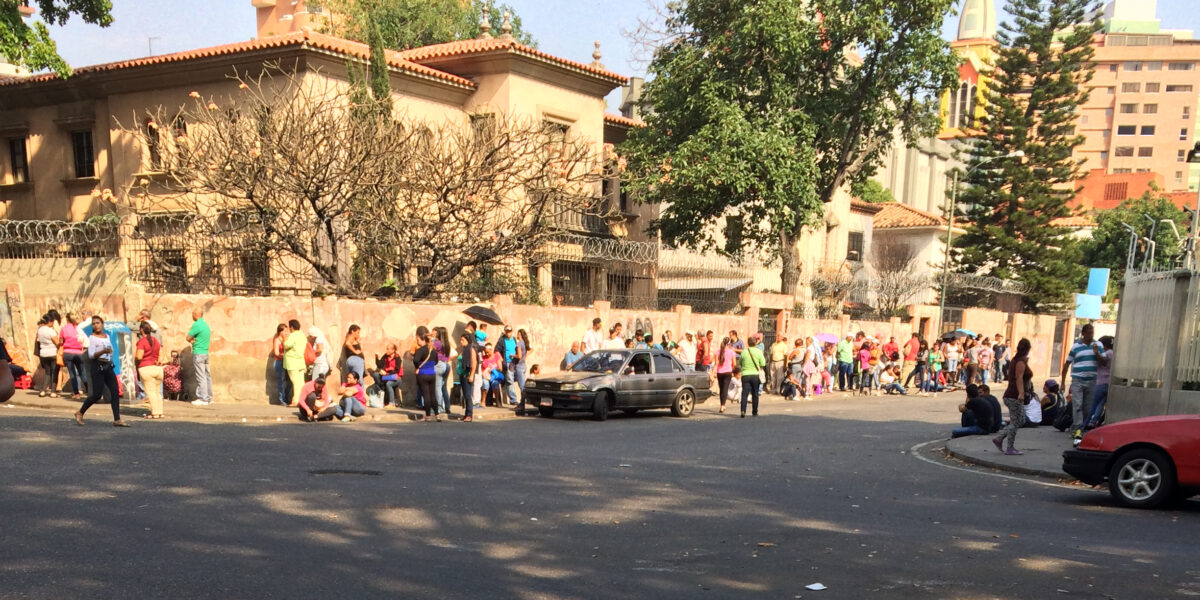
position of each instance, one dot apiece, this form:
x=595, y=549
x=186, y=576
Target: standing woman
x=935, y=367
x=971, y=361
x=73, y=341
x=808, y=369
x=725, y=356
x=104, y=379
x=752, y=362
x=441, y=345
x=283, y=392
x=1015, y=397
x=353, y=353
x=520, y=364
x=149, y=370
x=922, y=368
x=48, y=342
x=425, y=360
x=795, y=362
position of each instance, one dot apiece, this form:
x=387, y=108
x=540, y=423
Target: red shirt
x=703, y=356
x=149, y=347
x=890, y=349
x=910, y=349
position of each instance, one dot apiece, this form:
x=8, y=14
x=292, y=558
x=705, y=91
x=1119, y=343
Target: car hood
x=569, y=377
x=1156, y=420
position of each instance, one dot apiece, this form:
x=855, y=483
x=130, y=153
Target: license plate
x=546, y=402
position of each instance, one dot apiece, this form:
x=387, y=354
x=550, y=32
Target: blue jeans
x=468, y=395
x=845, y=375
x=895, y=387
x=516, y=375
x=356, y=364
x=389, y=391
x=1082, y=391
x=958, y=432
x=350, y=406
x=442, y=371
x=74, y=364
x=1099, y=398
x=283, y=385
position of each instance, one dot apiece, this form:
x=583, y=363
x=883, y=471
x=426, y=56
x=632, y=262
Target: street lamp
x=950, y=229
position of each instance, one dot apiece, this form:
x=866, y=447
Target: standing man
x=736, y=343
x=199, y=336
x=704, y=352
x=293, y=361
x=593, y=338
x=1084, y=359
x=891, y=353
x=468, y=374
x=685, y=350
x=999, y=358
x=615, y=341
x=845, y=358
x=779, y=352
x=506, y=347
x=911, y=348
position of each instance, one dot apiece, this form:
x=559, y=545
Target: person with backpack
x=1018, y=394
x=752, y=363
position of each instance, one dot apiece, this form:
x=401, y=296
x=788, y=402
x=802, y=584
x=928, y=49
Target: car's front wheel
x=685, y=403
x=600, y=407
x=1142, y=478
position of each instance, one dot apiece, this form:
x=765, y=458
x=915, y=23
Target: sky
x=565, y=28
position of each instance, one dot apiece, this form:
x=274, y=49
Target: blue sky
x=566, y=28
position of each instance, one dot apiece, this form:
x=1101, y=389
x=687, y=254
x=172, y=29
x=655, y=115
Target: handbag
x=310, y=354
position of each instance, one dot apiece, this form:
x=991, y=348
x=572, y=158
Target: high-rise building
x=1141, y=116
x=281, y=17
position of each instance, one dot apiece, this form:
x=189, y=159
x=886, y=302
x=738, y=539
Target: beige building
x=64, y=139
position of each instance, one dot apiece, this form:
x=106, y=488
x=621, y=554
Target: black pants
x=723, y=385
x=750, y=384
x=50, y=372
x=104, y=383
x=428, y=386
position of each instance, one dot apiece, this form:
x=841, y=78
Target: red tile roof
x=498, y=45
x=622, y=120
x=862, y=206
x=895, y=215
x=309, y=39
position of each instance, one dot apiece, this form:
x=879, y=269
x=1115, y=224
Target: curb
x=1001, y=466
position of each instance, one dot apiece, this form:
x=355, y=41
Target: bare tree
x=287, y=170
x=896, y=276
x=831, y=285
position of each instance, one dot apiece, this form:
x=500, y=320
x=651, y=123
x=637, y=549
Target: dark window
x=153, y=145
x=1123, y=151
x=81, y=148
x=174, y=276
x=1147, y=130
x=1126, y=129
x=640, y=363
x=19, y=160
x=256, y=271
x=663, y=364
x=854, y=246
x=1146, y=151
x=1178, y=88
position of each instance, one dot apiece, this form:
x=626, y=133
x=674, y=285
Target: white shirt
x=613, y=344
x=45, y=342
x=593, y=340
x=1033, y=411
x=687, y=351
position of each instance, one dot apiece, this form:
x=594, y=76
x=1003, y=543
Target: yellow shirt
x=779, y=352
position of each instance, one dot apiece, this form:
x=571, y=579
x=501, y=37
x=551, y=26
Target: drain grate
x=361, y=472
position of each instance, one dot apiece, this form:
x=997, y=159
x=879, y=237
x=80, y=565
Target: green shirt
x=751, y=360
x=293, y=351
x=200, y=334
x=845, y=351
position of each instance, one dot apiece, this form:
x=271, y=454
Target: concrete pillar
x=545, y=281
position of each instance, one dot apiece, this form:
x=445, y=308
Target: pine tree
x=1039, y=77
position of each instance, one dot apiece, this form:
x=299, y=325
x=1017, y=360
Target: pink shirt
x=725, y=364
x=70, y=339
x=864, y=359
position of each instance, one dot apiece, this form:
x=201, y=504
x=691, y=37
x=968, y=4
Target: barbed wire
x=57, y=232
x=983, y=283
x=604, y=249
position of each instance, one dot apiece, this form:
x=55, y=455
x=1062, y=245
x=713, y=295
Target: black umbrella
x=484, y=314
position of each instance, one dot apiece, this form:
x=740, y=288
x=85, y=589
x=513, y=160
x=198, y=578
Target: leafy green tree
x=1108, y=246
x=1039, y=77
x=869, y=190
x=29, y=44
x=763, y=110
x=404, y=24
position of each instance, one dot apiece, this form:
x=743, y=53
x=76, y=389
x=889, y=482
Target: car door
x=635, y=381
x=668, y=378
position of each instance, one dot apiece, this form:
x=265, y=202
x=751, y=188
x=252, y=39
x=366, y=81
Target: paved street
x=637, y=507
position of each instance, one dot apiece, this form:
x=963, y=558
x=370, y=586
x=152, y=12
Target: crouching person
x=976, y=415
x=314, y=402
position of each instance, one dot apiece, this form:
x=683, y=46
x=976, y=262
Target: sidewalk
x=235, y=413
x=1043, y=448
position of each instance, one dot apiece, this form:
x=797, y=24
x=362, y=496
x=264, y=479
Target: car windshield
x=600, y=362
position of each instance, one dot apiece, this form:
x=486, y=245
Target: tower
x=976, y=43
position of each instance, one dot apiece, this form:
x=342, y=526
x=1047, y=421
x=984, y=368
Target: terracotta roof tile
x=486, y=46
x=895, y=215
x=622, y=120
x=310, y=39
x=866, y=207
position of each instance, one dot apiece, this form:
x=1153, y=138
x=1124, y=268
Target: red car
x=1146, y=461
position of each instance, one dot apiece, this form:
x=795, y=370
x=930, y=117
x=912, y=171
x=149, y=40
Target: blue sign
x=1097, y=282
x=1087, y=306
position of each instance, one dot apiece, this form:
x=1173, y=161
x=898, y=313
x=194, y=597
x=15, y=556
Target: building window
x=1187, y=112
x=1181, y=156
x=1127, y=130
x=1108, y=113
x=1112, y=68
x=1181, y=66
x=18, y=157
x=1121, y=151
x=1110, y=90
x=1104, y=157
x=1178, y=88
x=1183, y=134
x=1155, y=65
x=1133, y=66
x=1178, y=176
x=557, y=136
x=1129, y=109
x=1147, y=130
x=153, y=145
x=1143, y=170
x=1083, y=120
x=1153, y=88
x=1145, y=152
x=1107, y=133
x=1149, y=109
x=854, y=246
x=1131, y=88
x=83, y=153
x=1122, y=171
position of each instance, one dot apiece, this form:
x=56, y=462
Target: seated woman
x=353, y=403
x=888, y=381
x=314, y=402
x=493, y=376
x=1052, y=403
x=390, y=370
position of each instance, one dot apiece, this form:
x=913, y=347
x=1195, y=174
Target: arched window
x=971, y=105
x=153, y=145
x=952, y=118
x=964, y=101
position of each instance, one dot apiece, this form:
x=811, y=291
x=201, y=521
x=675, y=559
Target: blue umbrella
x=965, y=332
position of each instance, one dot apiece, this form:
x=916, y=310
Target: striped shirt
x=1083, y=361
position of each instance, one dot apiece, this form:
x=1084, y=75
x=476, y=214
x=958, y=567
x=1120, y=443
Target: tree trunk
x=790, y=276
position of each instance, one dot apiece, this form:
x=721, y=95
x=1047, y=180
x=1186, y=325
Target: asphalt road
x=641, y=507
